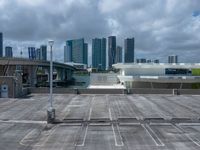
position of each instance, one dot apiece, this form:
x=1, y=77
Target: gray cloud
x=160, y=27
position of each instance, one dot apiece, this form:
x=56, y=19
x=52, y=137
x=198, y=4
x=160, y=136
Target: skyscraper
x=76, y=51
x=118, y=54
x=8, y=51
x=68, y=51
x=32, y=52
x=141, y=60
x=111, y=50
x=1, y=44
x=85, y=54
x=173, y=59
x=38, y=53
x=43, y=52
x=156, y=61
x=129, y=45
x=103, y=53
x=99, y=53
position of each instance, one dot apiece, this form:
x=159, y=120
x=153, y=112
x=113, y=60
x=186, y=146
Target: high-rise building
x=129, y=45
x=32, y=52
x=141, y=60
x=99, y=53
x=38, y=53
x=103, y=53
x=8, y=51
x=85, y=54
x=118, y=58
x=68, y=51
x=111, y=50
x=43, y=52
x=149, y=61
x=76, y=51
x=1, y=44
x=173, y=59
x=156, y=61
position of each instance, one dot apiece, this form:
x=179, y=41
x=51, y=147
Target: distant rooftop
x=156, y=65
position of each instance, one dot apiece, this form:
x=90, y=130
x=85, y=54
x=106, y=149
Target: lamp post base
x=51, y=115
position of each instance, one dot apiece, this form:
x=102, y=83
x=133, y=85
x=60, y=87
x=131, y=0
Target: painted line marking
x=67, y=110
x=110, y=115
x=48, y=136
x=140, y=117
x=115, y=138
x=23, y=121
x=26, y=136
x=75, y=105
x=113, y=129
x=90, y=112
x=84, y=138
x=181, y=130
x=157, y=141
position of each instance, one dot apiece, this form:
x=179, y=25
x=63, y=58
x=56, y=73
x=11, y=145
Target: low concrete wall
x=117, y=91
x=101, y=91
x=149, y=91
x=55, y=90
x=189, y=92
x=78, y=91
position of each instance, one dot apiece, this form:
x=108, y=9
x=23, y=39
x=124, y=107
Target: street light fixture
x=51, y=110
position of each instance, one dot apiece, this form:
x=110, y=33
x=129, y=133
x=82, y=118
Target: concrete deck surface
x=101, y=122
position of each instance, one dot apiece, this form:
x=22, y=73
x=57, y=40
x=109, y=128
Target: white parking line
x=147, y=128
x=90, y=112
x=140, y=117
x=181, y=130
x=67, y=110
x=122, y=143
x=113, y=129
x=110, y=115
x=26, y=137
x=49, y=135
x=84, y=138
x=115, y=138
x=23, y=121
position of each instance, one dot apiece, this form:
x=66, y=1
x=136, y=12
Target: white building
x=161, y=75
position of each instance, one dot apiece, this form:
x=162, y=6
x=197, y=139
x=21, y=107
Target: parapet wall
x=117, y=91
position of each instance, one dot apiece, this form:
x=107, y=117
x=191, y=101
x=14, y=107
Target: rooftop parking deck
x=109, y=122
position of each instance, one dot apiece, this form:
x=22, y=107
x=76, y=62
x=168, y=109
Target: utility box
x=4, y=91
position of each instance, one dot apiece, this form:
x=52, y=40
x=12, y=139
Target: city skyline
x=160, y=28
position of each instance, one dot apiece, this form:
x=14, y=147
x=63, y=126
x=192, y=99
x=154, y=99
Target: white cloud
x=160, y=27
x=31, y=2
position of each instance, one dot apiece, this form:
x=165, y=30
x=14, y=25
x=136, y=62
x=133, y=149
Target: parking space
x=110, y=122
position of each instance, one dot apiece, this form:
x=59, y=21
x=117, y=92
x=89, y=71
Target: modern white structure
x=76, y=65
x=161, y=75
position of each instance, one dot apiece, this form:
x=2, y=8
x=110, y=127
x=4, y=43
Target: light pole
x=51, y=110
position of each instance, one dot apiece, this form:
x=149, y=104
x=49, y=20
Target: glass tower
x=1, y=44
x=99, y=53
x=111, y=50
x=76, y=51
x=129, y=45
x=8, y=51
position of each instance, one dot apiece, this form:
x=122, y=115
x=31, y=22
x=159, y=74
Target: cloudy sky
x=160, y=27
